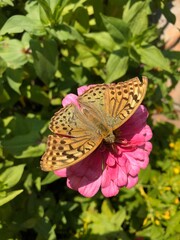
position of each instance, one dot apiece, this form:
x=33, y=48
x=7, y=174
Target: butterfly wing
x=113, y=103
x=124, y=100
x=75, y=137
x=102, y=107
x=63, y=152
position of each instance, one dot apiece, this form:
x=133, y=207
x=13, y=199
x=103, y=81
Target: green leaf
x=50, y=178
x=4, y=95
x=12, y=51
x=153, y=232
x=119, y=217
x=64, y=32
x=117, y=65
x=31, y=151
x=45, y=57
x=19, y=23
x=85, y=57
x=45, y=229
x=11, y=176
x=14, y=78
x=136, y=16
x=3, y=66
x=171, y=17
x=6, y=2
x=103, y=39
x=117, y=28
x=82, y=20
x=27, y=145
x=25, y=138
x=9, y=196
x=107, y=208
x=36, y=94
x=45, y=12
x=173, y=225
x=153, y=57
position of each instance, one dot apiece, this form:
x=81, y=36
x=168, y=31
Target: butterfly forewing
x=63, y=152
x=126, y=98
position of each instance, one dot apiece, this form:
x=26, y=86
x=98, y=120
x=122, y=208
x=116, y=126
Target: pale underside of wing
x=63, y=152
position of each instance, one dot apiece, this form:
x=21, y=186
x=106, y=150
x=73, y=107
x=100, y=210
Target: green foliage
x=47, y=49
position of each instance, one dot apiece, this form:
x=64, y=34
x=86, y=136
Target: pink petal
x=132, y=181
x=138, y=158
x=111, y=190
x=87, y=168
x=73, y=182
x=70, y=98
x=83, y=89
x=121, y=179
x=135, y=123
x=84, y=176
x=111, y=160
x=112, y=179
x=148, y=147
x=89, y=189
x=61, y=172
x=138, y=139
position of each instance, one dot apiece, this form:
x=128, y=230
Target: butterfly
x=79, y=130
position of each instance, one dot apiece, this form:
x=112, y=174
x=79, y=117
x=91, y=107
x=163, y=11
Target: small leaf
x=64, y=32
x=153, y=57
x=103, y=39
x=9, y=196
x=117, y=65
x=19, y=23
x=36, y=94
x=50, y=177
x=45, y=57
x=32, y=151
x=171, y=18
x=117, y=28
x=107, y=208
x=12, y=51
x=136, y=16
x=3, y=66
x=4, y=95
x=119, y=217
x=85, y=57
x=173, y=225
x=6, y=2
x=14, y=78
x=11, y=176
x=45, y=12
x=18, y=145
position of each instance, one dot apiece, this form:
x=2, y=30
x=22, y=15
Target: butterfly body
x=79, y=129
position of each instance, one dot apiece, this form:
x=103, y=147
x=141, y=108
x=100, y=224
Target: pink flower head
x=112, y=170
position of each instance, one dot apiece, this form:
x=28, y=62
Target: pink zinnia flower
x=110, y=170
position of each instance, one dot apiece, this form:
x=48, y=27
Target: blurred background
x=47, y=50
